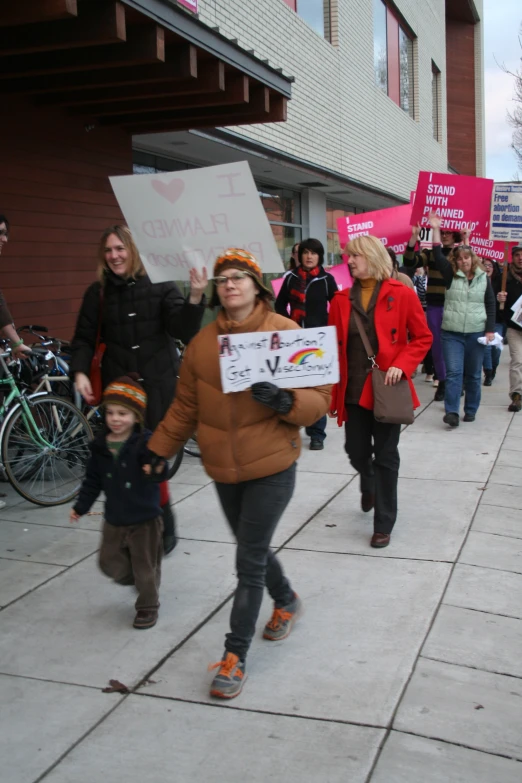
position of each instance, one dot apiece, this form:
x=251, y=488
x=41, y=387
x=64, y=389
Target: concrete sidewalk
x=406, y=665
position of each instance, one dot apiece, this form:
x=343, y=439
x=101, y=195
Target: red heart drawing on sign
x=170, y=190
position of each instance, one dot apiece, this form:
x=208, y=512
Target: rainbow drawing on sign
x=305, y=353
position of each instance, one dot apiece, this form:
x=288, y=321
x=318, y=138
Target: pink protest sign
x=192, y=5
x=490, y=248
x=342, y=276
x=462, y=202
x=276, y=285
x=392, y=226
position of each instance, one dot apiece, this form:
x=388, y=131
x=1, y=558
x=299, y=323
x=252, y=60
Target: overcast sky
x=502, y=21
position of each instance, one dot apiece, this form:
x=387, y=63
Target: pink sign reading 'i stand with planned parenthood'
x=392, y=226
x=490, y=248
x=460, y=201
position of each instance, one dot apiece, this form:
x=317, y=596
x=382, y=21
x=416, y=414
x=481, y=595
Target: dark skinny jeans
x=253, y=509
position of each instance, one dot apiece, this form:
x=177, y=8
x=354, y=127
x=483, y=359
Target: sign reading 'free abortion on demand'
x=462, y=202
x=506, y=212
x=291, y=359
x=392, y=226
x=187, y=219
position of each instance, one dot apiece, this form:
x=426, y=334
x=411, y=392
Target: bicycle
x=44, y=443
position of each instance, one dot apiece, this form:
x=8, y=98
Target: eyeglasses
x=236, y=278
x=4, y=232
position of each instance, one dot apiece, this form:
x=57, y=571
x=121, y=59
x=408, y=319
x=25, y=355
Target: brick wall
x=56, y=193
x=338, y=118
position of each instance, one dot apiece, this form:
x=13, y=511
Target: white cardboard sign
x=184, y=219
x=296, y=358
x=506, y=212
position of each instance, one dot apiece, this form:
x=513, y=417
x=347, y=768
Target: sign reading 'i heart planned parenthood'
x=186, y=219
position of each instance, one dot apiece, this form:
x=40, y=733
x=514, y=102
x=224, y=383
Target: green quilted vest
x=464, y=308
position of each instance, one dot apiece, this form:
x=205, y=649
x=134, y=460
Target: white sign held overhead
x=506, y=212
x=185, y=219
x=296, y=358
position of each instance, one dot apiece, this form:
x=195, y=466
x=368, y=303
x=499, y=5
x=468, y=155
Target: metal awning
x=144, y=65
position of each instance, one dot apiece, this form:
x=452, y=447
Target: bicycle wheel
x=47, y=470
x=192, y=447
x=174, y=464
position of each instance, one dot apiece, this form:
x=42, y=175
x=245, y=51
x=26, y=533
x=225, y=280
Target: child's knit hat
x=127, y=392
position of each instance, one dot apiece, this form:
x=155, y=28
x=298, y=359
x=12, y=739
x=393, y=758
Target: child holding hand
x=132, y=536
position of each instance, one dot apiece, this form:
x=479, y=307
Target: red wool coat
x=402, y=332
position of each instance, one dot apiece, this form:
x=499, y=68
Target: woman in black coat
x=307, y=290
x=139, y=322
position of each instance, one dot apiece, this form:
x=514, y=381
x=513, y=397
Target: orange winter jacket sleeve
x=239, y=438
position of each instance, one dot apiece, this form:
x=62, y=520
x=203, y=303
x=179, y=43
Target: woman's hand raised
x=198, y=283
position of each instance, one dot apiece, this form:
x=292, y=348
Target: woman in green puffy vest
x=469, y=313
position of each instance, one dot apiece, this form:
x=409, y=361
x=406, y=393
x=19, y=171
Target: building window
x=380, y=48
x=283, y=210
x=333, y=249
x=316, y=13
x=393, y=56
x=436, y=102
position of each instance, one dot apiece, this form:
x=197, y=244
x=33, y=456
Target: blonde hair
x=124, y=235
x=376, y=255
x=475, y=260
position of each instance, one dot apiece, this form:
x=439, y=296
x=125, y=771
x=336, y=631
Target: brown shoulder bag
x=391, y=404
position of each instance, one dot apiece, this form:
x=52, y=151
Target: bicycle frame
x=16, y=394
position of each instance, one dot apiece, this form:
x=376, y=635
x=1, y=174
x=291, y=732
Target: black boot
x=493, y=373
x=439, y=394
x=488, y=377
x=170, y=538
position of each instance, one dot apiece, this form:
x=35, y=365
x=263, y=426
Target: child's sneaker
x=230, y=678
x=145, y=618
x=282, y=620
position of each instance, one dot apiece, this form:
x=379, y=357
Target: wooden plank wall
x=460, y=85
x=54, y=189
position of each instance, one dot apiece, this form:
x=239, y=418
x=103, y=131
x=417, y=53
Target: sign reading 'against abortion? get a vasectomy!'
x=186, y=219
x=296, y=358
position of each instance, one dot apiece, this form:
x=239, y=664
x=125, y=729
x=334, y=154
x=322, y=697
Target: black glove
x=157, y=465
x=280, y=400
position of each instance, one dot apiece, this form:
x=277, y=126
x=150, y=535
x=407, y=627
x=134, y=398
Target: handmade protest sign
x=392, y=226
x=506, y=212
x=291, y=359
x=461, y=202
x=186, y=219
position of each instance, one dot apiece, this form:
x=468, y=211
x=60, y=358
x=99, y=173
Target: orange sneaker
x=230, y=678
x=282, y=620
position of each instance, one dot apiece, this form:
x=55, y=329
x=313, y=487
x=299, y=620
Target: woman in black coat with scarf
x=305, y=294
x=139, y=322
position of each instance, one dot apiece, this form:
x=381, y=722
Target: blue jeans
x=463, y=357
x=492, y=352
x=318, y=430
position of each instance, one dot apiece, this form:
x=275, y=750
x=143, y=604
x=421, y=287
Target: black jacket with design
x=131, y=497
x=319, y=292
x=140, y=321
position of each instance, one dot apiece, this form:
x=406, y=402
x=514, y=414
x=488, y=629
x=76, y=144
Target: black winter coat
x=319, y=292
x=514, y=292
x=139, y=324
x=130, y=496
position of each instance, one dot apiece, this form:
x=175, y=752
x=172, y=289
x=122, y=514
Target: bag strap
x=364, y=337
x=100, y=318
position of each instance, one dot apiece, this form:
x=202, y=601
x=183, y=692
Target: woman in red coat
x=397, y=330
